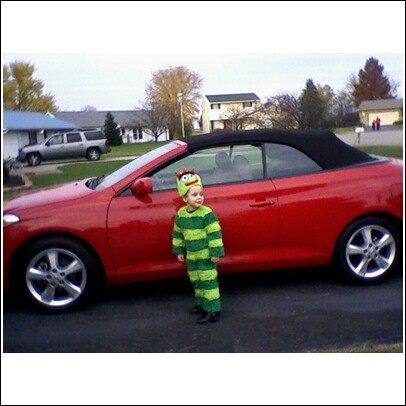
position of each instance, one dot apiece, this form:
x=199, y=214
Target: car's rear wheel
x=58, y=273
x=34, y=159
x=369, y=249
x=93, y=154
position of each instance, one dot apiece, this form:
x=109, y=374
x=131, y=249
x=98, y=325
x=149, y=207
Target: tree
x=373, y=84
x=112, y=131
x=155, y=125
x=24, y=93
x=88, y=108
x=283, y=111
x=162, y=93
x=313, y=106
x=242, y=117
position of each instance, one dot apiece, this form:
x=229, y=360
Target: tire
x=93, y=154
x=34, y=159
x=369, y=250
x=58, y=273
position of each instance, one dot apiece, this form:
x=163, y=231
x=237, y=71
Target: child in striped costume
x=197, y=240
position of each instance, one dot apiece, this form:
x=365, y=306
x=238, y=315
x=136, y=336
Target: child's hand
x=215, y=259
x=181, y=258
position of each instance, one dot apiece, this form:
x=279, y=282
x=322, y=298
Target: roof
x=91, y=119
x=324, y=147
x=218, y=98
x=28, y=120
x=384, y=104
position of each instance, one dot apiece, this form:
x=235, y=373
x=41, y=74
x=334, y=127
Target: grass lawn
x=133, y=149
x=76, y=172
x=384, y=150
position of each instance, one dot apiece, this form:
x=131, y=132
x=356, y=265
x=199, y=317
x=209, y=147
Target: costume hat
x=186, y=179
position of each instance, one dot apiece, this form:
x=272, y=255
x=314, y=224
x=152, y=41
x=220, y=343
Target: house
x=229, y=112
x=133, y=124
x=388, y=110
x=26, y=127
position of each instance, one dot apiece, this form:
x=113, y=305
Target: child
x=197, y=239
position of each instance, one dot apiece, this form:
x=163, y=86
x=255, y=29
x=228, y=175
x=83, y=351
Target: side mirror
x=142, y=186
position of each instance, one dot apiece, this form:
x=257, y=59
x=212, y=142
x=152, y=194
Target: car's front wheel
x=369, y=249
x=93, y=154
x=58, y=273
x=34, y=159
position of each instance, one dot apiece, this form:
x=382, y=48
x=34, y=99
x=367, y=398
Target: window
x=94, y=135
x=247, y=104
x=73, y=137
x=215, y=106
x=220, y=165
x=57, y=139
x=284, y=160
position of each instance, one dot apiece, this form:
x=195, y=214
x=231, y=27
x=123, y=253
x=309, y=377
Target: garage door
x=387, y=118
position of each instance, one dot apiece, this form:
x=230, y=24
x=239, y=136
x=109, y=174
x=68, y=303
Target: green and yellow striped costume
x=197, y=235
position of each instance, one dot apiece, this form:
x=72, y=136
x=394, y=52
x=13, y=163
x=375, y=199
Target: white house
x=133, y=124
x=26, y=127
x=229, y=111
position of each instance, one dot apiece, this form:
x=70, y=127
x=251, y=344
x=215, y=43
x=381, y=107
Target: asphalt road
x=287, y=311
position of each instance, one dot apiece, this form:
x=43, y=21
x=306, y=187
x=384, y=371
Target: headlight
x=9, y=219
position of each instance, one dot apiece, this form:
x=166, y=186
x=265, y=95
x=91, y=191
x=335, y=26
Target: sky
x=103, y=54
x=264, y=49
x=117, y=81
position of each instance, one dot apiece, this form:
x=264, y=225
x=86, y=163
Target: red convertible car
x=284, y=199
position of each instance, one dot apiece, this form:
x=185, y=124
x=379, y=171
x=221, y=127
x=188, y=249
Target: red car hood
x=50, y=195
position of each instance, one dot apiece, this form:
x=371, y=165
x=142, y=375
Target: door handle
x=263, y=204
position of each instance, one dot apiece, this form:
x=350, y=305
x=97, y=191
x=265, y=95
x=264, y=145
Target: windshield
x=134, y=165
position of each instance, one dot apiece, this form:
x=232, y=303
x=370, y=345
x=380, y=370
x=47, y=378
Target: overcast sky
x=102, y=54
x=117, y=81
x=105, y=56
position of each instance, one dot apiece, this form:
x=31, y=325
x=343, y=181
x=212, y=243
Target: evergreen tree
x=112, y=131
x=372, y=83
x=312, y=105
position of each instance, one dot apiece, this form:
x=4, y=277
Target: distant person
x=373, y=125
x=378, y=123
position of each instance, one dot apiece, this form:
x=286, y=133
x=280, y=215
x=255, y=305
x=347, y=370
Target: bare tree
x=88, y=108
x=283, y=110
x=242, y=117
x=155, y=124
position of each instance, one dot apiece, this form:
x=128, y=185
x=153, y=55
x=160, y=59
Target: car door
x=140, y=227
x=74, y=145
x=54, y=148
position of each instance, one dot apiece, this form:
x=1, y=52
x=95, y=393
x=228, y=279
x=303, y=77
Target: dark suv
x=90, y=144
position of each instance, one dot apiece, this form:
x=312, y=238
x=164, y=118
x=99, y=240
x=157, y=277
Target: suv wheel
x=93, y=154
x=34, y=159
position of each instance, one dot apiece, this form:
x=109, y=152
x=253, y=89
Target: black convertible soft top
x=324, y=147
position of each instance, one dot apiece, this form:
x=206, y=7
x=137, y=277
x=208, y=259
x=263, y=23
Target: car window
x=284, y=160
x=73, y=137
x=220, y=165
x=136, y=164
x=55, y=140
x=94, y=135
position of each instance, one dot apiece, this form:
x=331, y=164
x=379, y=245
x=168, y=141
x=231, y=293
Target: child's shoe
x=196, y=310
x=206, y=317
